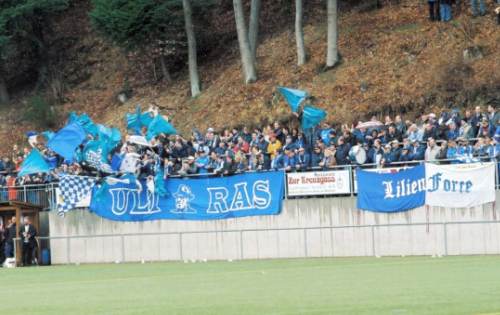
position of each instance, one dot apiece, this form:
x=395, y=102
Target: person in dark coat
x=28, y=234
x=342, y=153
x=9, y=236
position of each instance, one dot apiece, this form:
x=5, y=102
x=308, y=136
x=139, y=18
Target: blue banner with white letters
x=209, y=198
x=391, y=192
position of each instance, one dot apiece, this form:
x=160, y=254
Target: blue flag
x=34, y=163
x=111, y=137
x=85, y=122
x=134, y=121
x=95, y=153
x=312, y=116
x=293, y=97
x=159, y=125
x=66, y=140
x=48, y=135
x=138, y=120
x=391, y=192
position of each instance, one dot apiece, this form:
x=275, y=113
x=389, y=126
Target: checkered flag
x=74, y=192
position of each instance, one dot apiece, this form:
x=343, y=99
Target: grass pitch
x=421, y=285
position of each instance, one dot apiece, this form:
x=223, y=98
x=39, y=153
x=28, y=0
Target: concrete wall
x=323, y=227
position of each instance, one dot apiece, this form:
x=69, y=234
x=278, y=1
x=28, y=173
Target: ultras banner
x=250, y=194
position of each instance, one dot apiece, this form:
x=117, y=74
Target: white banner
x=318, y=183
x=460, y=185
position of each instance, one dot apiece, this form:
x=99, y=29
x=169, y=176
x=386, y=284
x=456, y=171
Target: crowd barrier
x=315, y=182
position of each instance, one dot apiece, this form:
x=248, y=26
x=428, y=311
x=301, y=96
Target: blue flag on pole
x=312, y=116
x=138, y=120
x=66, y=140
x=293, y=97
x=85, y=122
x=159, y=125
x=34, y=163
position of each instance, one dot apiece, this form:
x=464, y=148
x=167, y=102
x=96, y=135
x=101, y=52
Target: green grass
x=421, y=285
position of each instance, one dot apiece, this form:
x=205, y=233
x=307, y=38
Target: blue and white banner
x=251, y=194
x=391, y=192
x=460, y=185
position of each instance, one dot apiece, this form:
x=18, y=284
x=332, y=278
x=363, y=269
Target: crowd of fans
x=450, y=137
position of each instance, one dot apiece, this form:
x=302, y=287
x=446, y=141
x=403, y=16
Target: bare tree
x=246, y=55
x=332, y=57
x=253, y=28
x=192, y=58
x=164, y=69
x=299, y=33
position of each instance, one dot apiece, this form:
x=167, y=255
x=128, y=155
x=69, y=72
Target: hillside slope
x=394, y=60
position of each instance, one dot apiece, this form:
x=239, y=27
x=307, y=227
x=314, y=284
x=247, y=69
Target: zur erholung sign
x=318, y=183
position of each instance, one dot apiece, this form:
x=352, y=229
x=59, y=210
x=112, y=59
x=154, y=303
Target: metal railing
x=118, y=247
x=41, y=194
x=44, y=195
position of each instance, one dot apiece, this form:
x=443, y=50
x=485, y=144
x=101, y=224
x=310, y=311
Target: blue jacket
x=342, y=154
x=304, y=160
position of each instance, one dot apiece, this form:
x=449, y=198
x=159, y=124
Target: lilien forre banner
x=454, y=185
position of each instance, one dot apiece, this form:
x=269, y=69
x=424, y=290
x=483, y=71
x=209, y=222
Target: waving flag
x=85, y=122
x=293, y=97
x=159, y=125
x=138, y=120
x=312, y=116
x=74, y=192
x=110, y=136
x=66, y=140
x=34, y=163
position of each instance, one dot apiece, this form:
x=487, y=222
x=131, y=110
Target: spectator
x=342, y=152
x=432, y=151
x=274, y=146
x=316, y=157
x=303, y=160
x=328, y=160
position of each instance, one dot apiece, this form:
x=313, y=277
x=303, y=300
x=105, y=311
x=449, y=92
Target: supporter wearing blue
x=278, y=162
x=405, y=155
x=221, y=149
x=301, y=142
x=375, y=152
x=400, y=125
x=395, y=151
x=485, y=129
x=451, y=153
x=290, y=160
x=415, y=134
x=303, y=160
x=418, y=151
x=453, y=132
x=324, y=133
x=289, y=144
x=316, y=157
x=493, y=116
x=202, y=161
x=360, y=135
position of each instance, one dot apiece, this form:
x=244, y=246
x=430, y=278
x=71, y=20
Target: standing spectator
x=476, y=119
x=290, y=160
x=432, y=151
x=28, y=234
x=478, y=4
x=493, y=115
x=329, y=158
x=485, y=129
x=10, y=235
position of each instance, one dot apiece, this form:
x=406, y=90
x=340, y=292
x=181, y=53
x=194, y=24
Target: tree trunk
x=299, y=33
x=246, y=55
x=193, y=62
x=4, y=93
x=253, y=28
x=164, y=69
x=332, y=55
